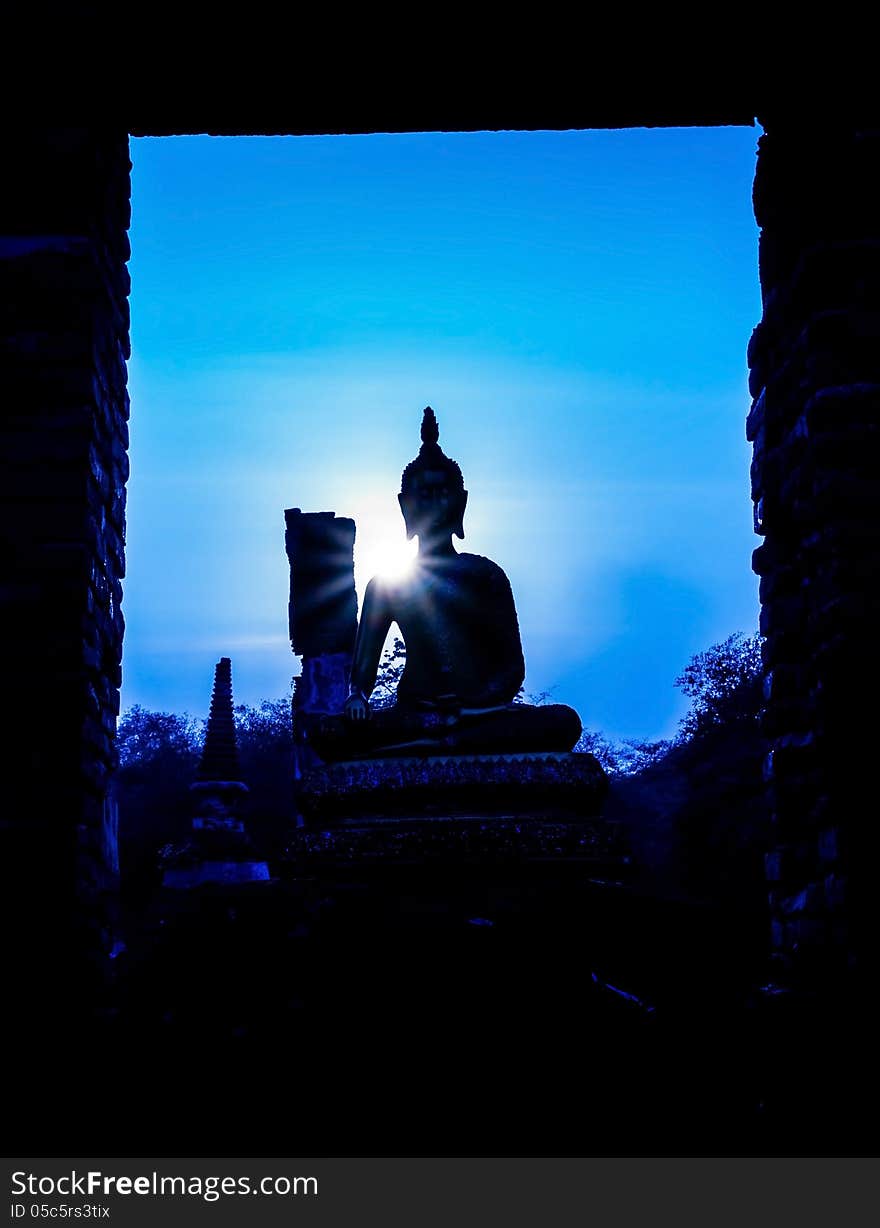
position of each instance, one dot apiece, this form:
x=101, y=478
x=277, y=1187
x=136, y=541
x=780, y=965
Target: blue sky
x=576, y=308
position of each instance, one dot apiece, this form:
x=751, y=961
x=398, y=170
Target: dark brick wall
x=64, y=341
x=815, y=426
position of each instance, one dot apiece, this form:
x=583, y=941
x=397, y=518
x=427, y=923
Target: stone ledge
x=226, y=873
x=473, y=844
x=444, y=786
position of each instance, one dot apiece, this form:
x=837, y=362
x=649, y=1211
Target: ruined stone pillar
x=323, y=614
x=64, y=322
x=815, y=427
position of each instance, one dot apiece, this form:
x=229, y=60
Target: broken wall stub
x=815, y=427
x=322, y=613
x=64, y=337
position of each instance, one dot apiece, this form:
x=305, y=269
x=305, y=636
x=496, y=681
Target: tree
x=724, y=684
x=390, y=672
x=264, y=728
x=593, y=743
x=633, y=755
x=142, y=736
x=158, y=758
x=265, y=751
x=626, y=758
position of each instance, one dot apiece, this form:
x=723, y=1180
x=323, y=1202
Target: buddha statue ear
x=458, y=531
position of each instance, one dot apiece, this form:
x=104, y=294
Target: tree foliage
x=265, y=750
x=263, y=729
x=626, y=758
x=158, y=761
x=390, y=672
x=143, y=736
x=158, y=758
x=724, y=684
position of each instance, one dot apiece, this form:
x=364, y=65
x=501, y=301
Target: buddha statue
x=464, y=660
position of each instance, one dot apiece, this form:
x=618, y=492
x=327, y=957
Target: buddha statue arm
x=373, y=626
x=510, y=677
x=509, y=666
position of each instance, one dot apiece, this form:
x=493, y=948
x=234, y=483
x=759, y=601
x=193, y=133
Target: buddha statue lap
x=464, y=661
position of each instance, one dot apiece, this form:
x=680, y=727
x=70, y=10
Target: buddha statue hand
x=356, y=707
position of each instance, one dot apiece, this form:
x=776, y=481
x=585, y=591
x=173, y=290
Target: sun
x=388, y=557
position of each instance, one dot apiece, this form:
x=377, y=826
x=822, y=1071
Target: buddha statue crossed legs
x=464, y=660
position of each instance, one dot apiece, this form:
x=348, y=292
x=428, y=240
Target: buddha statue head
x=432, y=494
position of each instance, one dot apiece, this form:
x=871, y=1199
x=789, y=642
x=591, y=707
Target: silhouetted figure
x=464, y=660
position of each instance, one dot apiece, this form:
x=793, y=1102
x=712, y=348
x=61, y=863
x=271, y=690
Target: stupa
x=220, y=850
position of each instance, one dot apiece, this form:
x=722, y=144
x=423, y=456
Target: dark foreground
x=538, y=1005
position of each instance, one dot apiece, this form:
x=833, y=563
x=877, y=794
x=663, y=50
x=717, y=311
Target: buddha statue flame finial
x=431, y=456
x=430, y=428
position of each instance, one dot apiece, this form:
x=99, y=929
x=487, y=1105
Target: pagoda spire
x=219, y=760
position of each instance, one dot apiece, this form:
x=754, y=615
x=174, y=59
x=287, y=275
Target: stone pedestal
x=219, y=849
x=462, y=822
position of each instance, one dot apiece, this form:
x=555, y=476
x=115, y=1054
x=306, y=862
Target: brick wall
x=815, y=426
x=64, y=341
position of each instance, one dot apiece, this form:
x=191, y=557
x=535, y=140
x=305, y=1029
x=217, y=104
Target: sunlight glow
x=389, y=557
